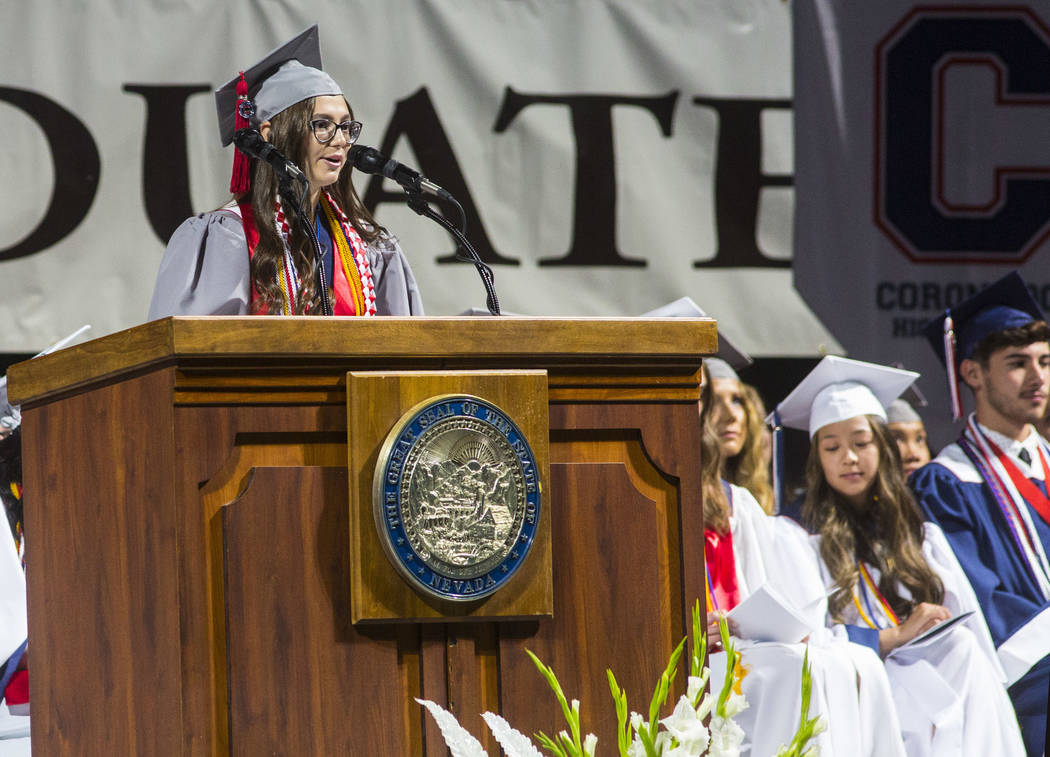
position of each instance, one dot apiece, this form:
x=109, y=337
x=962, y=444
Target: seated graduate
x=890, y=576
x=252, y=256
x=987, y=491
x=737, y=420
x=909, y=432
x=747, y=550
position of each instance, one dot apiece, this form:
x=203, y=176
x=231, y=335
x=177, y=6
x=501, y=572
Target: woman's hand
x=714, y=636
x=924, y=617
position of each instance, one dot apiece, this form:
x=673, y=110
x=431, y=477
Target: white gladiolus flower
x=684, y=725
x=696, y=685
x=683, y=733
x=735, y=705
x=514, y=742
x=458, y=739
x=706, y=705
x=726, y=737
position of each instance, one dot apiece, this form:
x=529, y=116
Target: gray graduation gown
x=204, y=271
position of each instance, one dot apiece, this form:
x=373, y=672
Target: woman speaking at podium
x=255, y=255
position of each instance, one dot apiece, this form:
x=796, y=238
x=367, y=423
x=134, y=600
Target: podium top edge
x=200, y=341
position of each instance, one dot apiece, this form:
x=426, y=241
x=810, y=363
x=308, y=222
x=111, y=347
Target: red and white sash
x=1012, y=491
x=352, y=278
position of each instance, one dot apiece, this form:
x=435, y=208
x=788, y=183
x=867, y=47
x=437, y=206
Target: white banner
x=923, y=166
x=613, y=155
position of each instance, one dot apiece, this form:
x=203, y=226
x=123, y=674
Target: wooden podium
x=188, y=510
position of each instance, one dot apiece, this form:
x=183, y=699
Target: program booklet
x=931, y=635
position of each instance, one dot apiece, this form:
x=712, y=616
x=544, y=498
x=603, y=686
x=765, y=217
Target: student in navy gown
x=987, y=491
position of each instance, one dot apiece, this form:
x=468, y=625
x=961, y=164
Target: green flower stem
x=696, y=666
x=731, y=658
x=572, y=714
x=663, y=688
x=623, y=730
x=808, y=727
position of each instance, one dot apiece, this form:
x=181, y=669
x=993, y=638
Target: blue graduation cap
x=955, y=334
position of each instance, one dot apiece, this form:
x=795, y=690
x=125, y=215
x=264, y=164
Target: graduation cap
x=839, y=388
x=956, y=333
x=901, y=411
x=287, y=75
x=717, y=368
x=684, y=307
x=912, y=395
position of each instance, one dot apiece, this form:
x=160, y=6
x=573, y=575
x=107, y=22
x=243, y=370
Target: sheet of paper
x=766, y=616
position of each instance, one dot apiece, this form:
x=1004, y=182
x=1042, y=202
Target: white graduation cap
x=901, y=411
x=684, y=307
x=839, y=388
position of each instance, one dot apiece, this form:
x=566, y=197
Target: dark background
x=10, y=358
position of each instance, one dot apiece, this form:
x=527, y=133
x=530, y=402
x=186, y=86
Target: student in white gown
x=746, y=549
x=890, y=576
x=737, y=419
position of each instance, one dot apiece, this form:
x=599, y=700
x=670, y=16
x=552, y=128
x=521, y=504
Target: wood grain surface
x=188, y=510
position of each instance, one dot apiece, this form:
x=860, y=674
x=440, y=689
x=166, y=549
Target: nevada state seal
x=456, y=497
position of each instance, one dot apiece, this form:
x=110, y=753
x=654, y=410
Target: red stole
x=721, y=569
x=344, y=299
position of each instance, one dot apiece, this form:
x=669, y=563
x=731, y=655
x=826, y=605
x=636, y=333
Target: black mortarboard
x=287, y=75
x=956, y=333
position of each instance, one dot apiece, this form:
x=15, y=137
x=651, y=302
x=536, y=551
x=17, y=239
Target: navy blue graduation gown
x=952, y=494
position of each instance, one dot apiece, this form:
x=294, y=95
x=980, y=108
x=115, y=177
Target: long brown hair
x=289, y=131
x=748, y=468
x=716, y=506
x=887, y=533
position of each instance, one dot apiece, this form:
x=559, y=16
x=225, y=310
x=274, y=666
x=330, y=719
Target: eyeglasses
x=324, y=130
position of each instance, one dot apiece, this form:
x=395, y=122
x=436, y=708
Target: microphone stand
x=286, y=190
x=417, y=202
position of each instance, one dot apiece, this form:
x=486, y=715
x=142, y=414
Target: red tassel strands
x=240, y=180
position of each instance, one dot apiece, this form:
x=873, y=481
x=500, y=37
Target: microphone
x=370, y=160
x=252, y=144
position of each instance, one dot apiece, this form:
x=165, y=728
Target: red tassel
x=240, y=180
